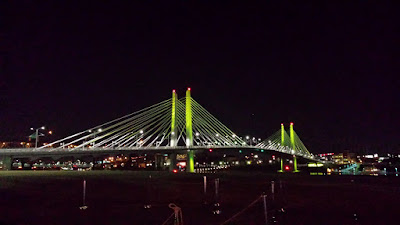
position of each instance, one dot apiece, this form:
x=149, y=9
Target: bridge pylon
x=189, y=133
x=282, y=144
x=174, y=133
x=293, y=146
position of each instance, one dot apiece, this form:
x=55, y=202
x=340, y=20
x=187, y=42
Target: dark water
x=119, y=197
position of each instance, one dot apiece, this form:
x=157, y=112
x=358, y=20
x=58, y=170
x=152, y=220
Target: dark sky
x=332, y=69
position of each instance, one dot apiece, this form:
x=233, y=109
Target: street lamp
x=37, y=134
x=248, y=138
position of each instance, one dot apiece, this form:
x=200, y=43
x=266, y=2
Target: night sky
x=332, y=69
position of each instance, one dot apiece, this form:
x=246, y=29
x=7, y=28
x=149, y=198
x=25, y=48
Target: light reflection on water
x=364, y=173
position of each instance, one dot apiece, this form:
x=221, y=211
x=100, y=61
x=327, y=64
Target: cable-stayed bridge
x=171, y=126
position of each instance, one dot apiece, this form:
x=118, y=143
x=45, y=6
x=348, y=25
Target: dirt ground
x=118, y=197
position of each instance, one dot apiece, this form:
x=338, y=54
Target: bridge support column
x=293, y=147
x=282, y=144
x=295, y=164
x=174, y=135
x=189, y=133
x=281, y=170
x=172, y=161
x=159, y=161
x=6, y=162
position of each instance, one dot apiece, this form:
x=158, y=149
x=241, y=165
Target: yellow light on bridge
x=315, y=165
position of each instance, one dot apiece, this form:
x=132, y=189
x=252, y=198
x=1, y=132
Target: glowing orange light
x=189, y=89
x=50, y=132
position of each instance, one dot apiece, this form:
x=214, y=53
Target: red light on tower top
x=189, y=89
x=291, y=123
x=281, y=124
x=173, y=91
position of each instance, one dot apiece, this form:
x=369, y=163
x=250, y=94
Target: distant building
x=344, y=158
x=16, y=144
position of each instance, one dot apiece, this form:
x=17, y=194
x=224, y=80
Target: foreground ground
x=118, y=197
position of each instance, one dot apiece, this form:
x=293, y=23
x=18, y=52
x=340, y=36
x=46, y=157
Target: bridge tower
x=174, y=134
x=282, y=144
x=189, y=133
x=173, y=141
x=293, y=146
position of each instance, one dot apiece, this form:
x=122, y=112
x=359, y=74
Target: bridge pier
x=295, y=164
x=281, y=170
x=172, y=161
x=189, y=133
x=159, y=161
x=6, y=162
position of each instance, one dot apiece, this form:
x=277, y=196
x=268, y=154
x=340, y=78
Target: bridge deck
x=32, y=152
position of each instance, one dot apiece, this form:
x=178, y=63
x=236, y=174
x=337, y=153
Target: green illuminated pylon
x=281, y=170
x=282, y=143
x=189, y=132
x=293, y=146
x=173, y=142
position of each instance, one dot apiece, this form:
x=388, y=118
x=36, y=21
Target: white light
x=217, y=135
x=171, y=133
x=233, y=135
x=99, y=130
x=197, y=134
x=141, y=131
x=43, y=128
x=247, y=137
x=90, y=131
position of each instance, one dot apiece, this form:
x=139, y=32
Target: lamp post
x=37, y=134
